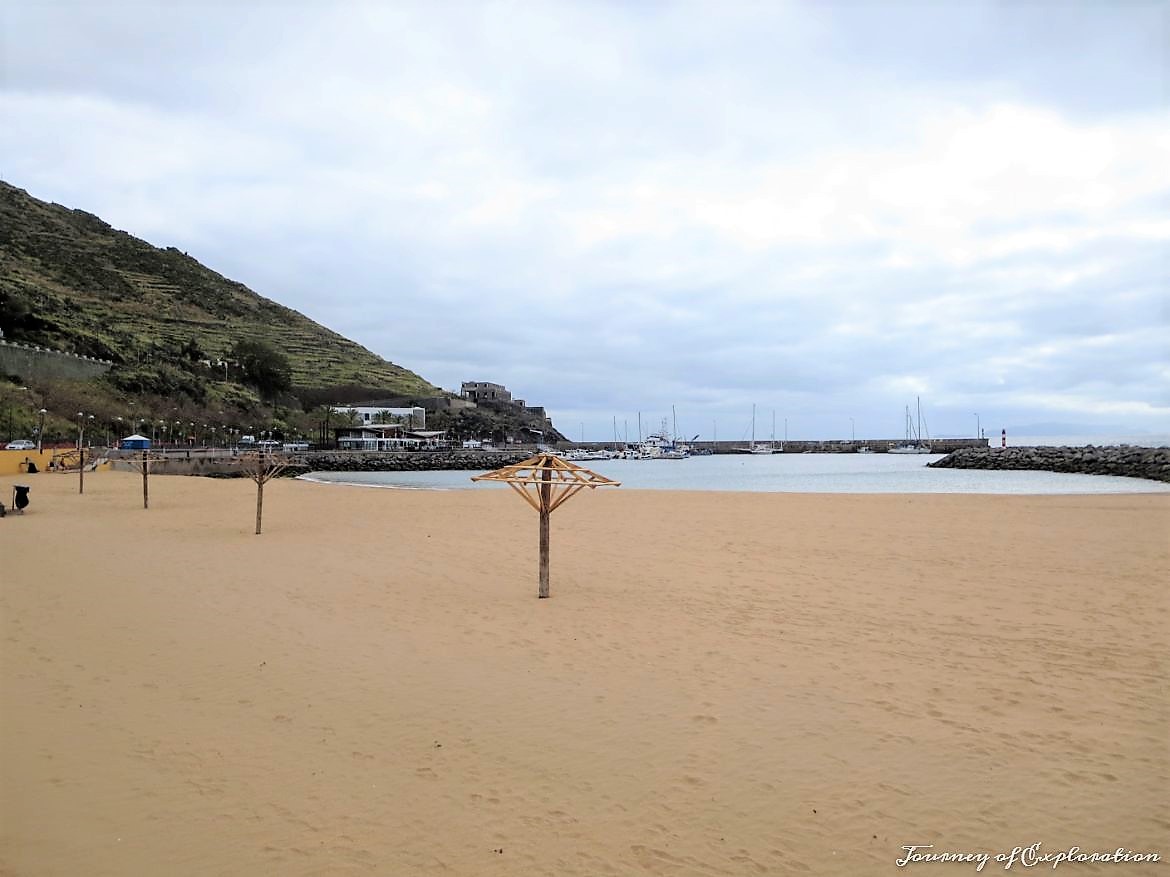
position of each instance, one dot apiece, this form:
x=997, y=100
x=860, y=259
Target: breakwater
x=1134, y=462
x=225, y=464
x=796, y=446
x=404, y=461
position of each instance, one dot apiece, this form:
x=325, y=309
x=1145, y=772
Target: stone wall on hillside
x=1134, y=462
x=40, y=363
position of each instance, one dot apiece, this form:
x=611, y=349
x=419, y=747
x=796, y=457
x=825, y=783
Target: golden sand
x=720, y=684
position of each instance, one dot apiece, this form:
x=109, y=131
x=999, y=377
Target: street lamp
x=978, y=431
x=41, y=431
x=81, y=451
x=852, y=431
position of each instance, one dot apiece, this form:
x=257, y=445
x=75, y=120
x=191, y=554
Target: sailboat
x=763, y=449
x=913, y=443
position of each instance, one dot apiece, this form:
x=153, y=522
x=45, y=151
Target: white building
x=411, y=418
x=389, y=437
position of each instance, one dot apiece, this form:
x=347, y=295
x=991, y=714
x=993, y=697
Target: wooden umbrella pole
x=538, y=473
x=545, y=502
x=145, y=481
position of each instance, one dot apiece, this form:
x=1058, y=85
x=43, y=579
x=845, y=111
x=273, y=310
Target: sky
x=823, y=210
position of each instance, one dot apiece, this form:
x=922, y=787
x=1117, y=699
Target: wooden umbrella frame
x=552, y=481
x=141, y=462
x=261, y=467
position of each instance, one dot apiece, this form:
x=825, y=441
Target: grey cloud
x=614, y=208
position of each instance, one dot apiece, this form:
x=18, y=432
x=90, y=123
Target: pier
x=828, y=446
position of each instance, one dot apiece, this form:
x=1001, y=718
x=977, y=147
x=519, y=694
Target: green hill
x=71, y=282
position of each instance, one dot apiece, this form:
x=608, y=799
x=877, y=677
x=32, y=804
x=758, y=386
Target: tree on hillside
x=18, y=317
x=191, y=351
x=263, y=366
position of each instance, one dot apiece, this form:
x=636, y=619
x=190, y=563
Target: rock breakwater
x=1133, y=462
x=403, y=461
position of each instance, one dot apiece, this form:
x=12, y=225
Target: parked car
x=21, y=445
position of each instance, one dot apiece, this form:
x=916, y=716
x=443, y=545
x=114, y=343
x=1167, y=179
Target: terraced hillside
x=70, y=281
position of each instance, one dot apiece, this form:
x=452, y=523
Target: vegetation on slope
x=70, y=281
x=195, y=354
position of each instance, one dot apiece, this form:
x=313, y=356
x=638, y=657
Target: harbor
x=794, y=446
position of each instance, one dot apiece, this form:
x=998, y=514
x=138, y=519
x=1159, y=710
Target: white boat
x=864, y=449
x=658, y=446
x=913, y=443
x=584, y=454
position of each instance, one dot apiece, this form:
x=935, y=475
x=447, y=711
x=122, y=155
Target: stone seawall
x=224, y=464
x=1151, y=463
x=404, y=461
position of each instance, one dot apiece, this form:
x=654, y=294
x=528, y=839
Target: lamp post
x=852, y=431
x=81, y=452
x=12, y=414
x=41, y=430
x=978, y=431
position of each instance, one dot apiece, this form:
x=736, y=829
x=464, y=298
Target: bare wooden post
x=545, y=499
x=259, y=504
x=142, y=464
x=81, y=470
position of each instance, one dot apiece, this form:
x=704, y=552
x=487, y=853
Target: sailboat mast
x=753, y=424
x=773, y=445
x=919, y=438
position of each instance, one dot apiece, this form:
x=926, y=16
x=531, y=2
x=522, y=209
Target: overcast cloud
x=821, y=209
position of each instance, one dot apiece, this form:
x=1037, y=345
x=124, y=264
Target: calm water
x=790, y=473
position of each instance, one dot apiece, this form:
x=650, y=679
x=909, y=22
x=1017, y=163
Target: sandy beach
x=721, y=683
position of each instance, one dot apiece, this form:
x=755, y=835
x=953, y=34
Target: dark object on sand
x=19, y=498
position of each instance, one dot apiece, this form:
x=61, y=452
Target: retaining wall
x=41, y=363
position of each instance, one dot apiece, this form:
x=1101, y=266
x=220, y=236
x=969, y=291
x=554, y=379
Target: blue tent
x=135, y=443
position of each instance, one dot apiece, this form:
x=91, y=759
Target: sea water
x=791, y=473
